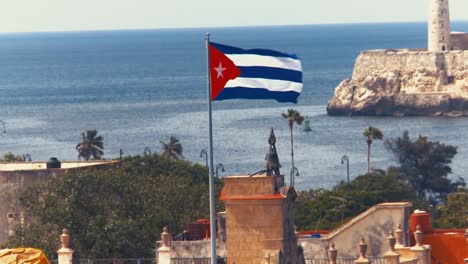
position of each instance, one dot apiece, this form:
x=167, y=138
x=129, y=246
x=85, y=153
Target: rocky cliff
x=404, y=82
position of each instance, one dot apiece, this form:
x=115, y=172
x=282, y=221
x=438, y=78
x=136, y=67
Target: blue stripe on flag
x=265, y=52
x=257, y=93
x=271, y=73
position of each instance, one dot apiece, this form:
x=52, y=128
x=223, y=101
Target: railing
x=196, y=260
x=112, y=261
x=375, y=260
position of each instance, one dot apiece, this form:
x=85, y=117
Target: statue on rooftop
x=272, y=163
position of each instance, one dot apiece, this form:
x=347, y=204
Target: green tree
x=293, y=116
x=91, y=146
x=423, y=165
x=115, y=212
x=172, y=149
x=327, y=209
x=454, y=214
x=371, y=133
x=10, y=156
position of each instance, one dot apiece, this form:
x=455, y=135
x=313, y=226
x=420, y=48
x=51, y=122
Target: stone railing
x=397, y=253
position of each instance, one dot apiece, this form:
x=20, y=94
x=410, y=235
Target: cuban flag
x=236, y=73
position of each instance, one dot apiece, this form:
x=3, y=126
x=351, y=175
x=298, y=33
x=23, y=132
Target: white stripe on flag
x=265, y=61
x=272, y=85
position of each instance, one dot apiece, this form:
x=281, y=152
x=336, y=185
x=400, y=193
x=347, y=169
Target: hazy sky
x=63, y=15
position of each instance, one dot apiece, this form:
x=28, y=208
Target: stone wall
x=196, y=249
x=374, y=225
x=259, y=219
x=459, y=41
x=383, y=79
x=407, y=63
x=11, y=181
x=393, y=61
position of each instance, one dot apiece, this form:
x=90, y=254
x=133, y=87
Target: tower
x=439, y=26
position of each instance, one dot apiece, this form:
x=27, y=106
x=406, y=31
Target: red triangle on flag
x=222, y=69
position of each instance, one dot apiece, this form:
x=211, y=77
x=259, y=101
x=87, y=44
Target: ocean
x=139, y=87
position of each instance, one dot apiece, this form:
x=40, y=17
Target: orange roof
x=447, y=248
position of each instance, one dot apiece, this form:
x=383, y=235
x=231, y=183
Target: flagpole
x=211, y=178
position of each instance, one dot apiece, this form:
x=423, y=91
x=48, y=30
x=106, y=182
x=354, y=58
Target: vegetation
x=115, y=212
x=172, y=149
x=10, y=156
x=455, y=212
x=371, y=133
x=424, y=166
x=421, y=177
x=327, y=209
x=120, y=211
x=91, y=146
x=293, y=116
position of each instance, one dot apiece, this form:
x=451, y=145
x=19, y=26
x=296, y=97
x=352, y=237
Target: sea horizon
x=220, y=27
x=137, y=87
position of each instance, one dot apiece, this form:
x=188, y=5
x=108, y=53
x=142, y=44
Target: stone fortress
x=429, y=82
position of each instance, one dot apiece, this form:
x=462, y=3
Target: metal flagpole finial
x=207, y=36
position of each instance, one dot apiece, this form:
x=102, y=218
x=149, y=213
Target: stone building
x=440, y=38
x=16, y=175
x=259, y=219
x=439, y=26
x=409, y=82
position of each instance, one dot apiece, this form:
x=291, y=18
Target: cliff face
x=404, y=82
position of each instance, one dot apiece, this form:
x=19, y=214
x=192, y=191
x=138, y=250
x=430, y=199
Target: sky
x=67, y=15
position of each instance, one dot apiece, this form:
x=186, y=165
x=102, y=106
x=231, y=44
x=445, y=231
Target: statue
x=272, y=162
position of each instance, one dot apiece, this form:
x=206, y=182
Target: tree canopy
x=424, y=165
x=115, y=212
x=10, y=156
x=91, y=145
x=327, y=209
x=293, y=116
x=371, y=133
x=455, y=212
x=172, y=149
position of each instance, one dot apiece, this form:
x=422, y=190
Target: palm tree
x=293, y=116
x=172, y=149
x=371, y=133
x=91, y=146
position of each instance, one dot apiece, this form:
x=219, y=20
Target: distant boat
x=307, y=125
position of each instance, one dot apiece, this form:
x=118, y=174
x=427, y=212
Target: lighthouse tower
x=439, y=26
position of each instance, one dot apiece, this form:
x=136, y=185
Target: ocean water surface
x=139, y=87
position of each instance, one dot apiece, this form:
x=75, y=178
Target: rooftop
x=42, y=165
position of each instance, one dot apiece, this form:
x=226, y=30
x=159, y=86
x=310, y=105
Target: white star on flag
x=220, y=70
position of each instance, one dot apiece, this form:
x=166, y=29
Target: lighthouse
x=439, y=26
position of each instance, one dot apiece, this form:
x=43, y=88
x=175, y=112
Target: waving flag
x=254, y=74
x=246, y=74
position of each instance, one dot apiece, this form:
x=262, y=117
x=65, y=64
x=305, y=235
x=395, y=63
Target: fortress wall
x=404, y=61
x=407, y=62
x=459, y=41
x=456, y=62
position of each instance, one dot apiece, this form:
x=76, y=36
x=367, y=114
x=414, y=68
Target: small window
x=443, y=48
x=442, y=12
x=451, y=79
x=10, y=215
